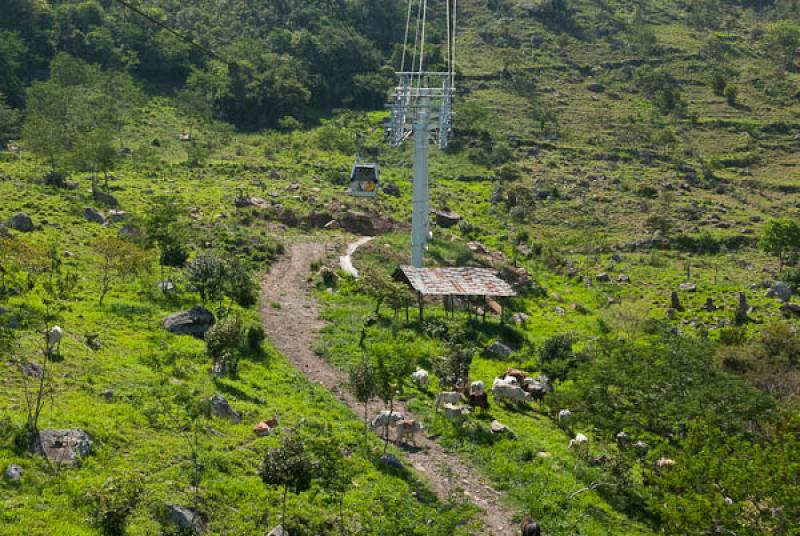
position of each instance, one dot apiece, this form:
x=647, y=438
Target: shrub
x=255, y=338
x=556, y=357
x=239, y=283
x=206, y=273
x=112, y=503
x=222, y=340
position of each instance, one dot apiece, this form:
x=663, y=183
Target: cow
x=623, y=439
x=385, y=419
x=420, y=379
x=537, y=390
x=53, y=338
x=477, y=387
x=407, y=429
x=515, y=373
x=502, y=391
x=665, y=463
x=511, y=380
x=479, y=400
x=564, y=416
x=530, y=527
x=578, y=441
x=447, y=397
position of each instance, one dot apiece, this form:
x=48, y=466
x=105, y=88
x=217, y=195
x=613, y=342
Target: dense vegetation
x=613, y=151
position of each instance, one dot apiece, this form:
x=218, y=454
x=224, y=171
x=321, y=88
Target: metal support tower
x=423, y=107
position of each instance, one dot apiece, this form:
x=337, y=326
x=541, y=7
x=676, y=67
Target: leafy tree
x=119, y=259
x=12, y=59
x=164, y=229
x=663, y=90
x=781, y=239
x=362, y=379
x=289, y=466
x=783, y=41
x=206, y=273
x=378, y=285
x=9, y=121
x=393, y=367
x=222, y=341
x=556, y=356
x=240, y=286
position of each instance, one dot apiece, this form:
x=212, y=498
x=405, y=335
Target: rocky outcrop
x=66, y=446
x=195, y=322
x=21, y=222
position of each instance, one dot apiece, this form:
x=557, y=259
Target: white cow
x=477, y=387
x=578, y=441
x=384, y=419
x=503, y=381
x=54, y=336
x=420, y=378
x=447, y=397
x=502, y=391
x=511, y=380
x=407, y=429
x=564, y=417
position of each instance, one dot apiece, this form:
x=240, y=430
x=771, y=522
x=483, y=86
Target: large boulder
x=195, y=322
x=105, y=198
x=66, y=446
x=446, y=218
x=221, y=409
x=21, y=222
x=791, y=308
x=780, y=290
x=94, y=216
x=498, y=349
x=184, y=520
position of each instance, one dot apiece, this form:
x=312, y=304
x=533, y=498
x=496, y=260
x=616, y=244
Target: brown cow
x=479, y=401
x=530, y=527
x=514, y=373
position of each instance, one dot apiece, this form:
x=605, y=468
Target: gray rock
x=183, y=519
x=195, y=322
x=21, y=222
x=105, y=198
x=117, y=215
x=278, y=531
x=129, y=232
x=498, y=349
x=34, y=370
x=391, y=188
x=13, y=473
x=499, y=428
x=166, y=286
x=675, y=302
x=791, y=308
x=221, y=409
x=66, y=446
x=780, y=290
x=108, y=395
x=688, y=287
x=94, y=216
x=623, y=278
x=602, y=277
x=446, y=218
x=391, y=460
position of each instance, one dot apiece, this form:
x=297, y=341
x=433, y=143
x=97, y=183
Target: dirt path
x=295, y=327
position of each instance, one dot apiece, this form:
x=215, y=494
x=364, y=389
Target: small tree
x=222, y=341
x=240, y=286
x=393, y=367
x=377, y=285
x=206, y=273
x=112, y=503
x=288, y=466
x=362, y=383
x=9, y=121
x=119, y=259
x=783, y=41
x=782, y=239
x=163, y=229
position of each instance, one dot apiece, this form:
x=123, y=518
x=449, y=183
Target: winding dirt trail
x=295, y=327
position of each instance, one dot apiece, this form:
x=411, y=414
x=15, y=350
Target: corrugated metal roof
x=456, y=281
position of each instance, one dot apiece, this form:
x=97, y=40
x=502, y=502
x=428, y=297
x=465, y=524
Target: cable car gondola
x=364, y=180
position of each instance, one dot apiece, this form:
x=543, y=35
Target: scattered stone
x=709, y=306
x=596, y=87
x=196, y=322
x=166, y=286
x=746, y=230
x=499, y=428
x=780, y=290
x=543, y=454
x=108, y=395
x=624, y=278
x=63, y=446
x=559, y=310
x=516, y=276
x=602, y=277
x=183, y=519
x=688, y=287
x=519, y=318
x=117, y=215
x=94, y=216
x=390, y=188
x=331, y=225
x=34, y=370
x=446, y=218
x=105, y=198
x=740, y=315
x=13, y=473
x=498, y=349
x=791, y=308
x=221, y=409
x=129, y=232
x=676, y=302
x=21, y=222
x=278, y=531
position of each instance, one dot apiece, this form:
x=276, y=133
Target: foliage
x=288, y=466
x=556, y=357
x=206, y=273
x=783, y=41
x=361, y=381
x=9, y=121
x=112, y=503
x=663, y=90
x=781, y=239
x=119, y=259
x=222, y=341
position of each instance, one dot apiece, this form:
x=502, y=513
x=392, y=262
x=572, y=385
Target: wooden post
x=421, y=306
x=483, y=319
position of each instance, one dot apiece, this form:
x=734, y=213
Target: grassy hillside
x=612, y=150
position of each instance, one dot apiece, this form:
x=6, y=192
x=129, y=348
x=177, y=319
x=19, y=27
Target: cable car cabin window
x=364, y=180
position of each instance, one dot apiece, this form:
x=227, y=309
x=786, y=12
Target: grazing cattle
x=477, y=387
x=384, y=419
x=54, y=336
x=503, y=391
x=530, y=527
x=665, y=463
x=515, y=373
x=641, y=445
x=503, y=381
x=455, y=412
x=420, y=379
x=447, y=397
x=479, y=400
x=537, y=390
x=407, y=429
x=511, y=380
x=578, y=441
x=564, y=416
x=544, y=380
x=623, y=439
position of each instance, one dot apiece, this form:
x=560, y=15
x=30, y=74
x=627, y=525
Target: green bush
x=112, y=503
x=255, y=338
